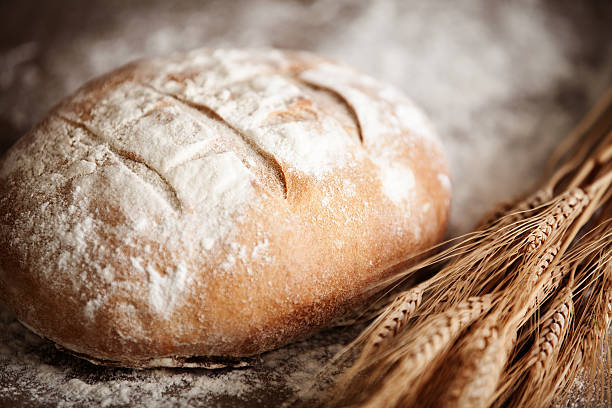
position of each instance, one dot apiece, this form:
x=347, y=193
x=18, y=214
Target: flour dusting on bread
x=222, y=202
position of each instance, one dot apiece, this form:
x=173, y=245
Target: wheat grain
x=544, y=279
x=437, y=332
x=551, y=279
x=523, y=382
x=397, y=316
x=545, y=260
x=551, y=336
x=567, y=208
x=382, y=330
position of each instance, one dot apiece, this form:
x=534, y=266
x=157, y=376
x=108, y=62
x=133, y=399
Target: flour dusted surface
x=76, y=382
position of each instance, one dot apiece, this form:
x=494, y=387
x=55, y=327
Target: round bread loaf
x=220, y=203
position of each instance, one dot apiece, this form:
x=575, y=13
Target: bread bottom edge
x=205, y=362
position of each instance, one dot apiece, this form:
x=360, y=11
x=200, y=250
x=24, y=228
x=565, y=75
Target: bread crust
x=216, y=203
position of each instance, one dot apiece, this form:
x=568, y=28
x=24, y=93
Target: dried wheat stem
x=566, y=371
x=599, y=157
x=602, y=317
x=507, y=214
x=595, y=192
x=545, y=281
x=605, y=155
x=586, y=129
x=591, y=135
x=589, y=333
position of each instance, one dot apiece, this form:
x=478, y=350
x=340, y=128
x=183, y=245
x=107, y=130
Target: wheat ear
x=588, y=334
x=567, y=208
x=539, y=365
x=522, y=385
x=467, y=376
x=494, y=266
x=552, y=333
x=382, y=331
x=584, y=354
x=395, y=318
x=544, y=277
x=427, y=340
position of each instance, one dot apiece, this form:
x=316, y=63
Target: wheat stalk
x=510, y=213
x=592, y=331
x=528, y=383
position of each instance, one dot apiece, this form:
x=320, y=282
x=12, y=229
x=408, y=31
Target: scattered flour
x=398, y=182
x=66, y=381
x=165, y=289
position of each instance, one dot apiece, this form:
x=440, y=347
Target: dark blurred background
x=503, y=82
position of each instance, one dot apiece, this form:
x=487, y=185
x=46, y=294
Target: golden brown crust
x=220, y=203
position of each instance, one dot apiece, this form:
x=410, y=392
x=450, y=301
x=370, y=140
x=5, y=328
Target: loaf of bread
x=215, y=204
